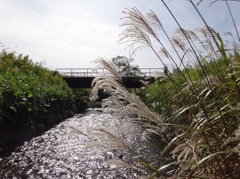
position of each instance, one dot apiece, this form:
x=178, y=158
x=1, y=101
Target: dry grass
x=196, y=105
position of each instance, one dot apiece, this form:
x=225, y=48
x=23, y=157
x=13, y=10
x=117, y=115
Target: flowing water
x=93, y=145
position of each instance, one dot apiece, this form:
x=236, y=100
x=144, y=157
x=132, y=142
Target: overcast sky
x=72, y=33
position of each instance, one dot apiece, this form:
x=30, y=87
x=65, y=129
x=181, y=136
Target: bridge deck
x=88, y=72
x=82, y=77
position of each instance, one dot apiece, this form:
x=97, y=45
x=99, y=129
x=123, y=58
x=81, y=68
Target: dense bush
x=32, y=97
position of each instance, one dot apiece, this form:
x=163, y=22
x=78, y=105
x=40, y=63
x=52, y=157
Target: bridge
x=82, y=77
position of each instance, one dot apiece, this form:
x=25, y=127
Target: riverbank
x=32, y=99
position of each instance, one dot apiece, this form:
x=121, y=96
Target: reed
x=193, y=108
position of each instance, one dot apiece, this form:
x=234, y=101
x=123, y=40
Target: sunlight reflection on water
x=77, y=148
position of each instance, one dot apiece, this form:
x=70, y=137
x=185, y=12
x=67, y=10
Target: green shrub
x=28, y=91
x=32, y=96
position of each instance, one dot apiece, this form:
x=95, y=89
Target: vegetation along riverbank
x=32, y=99
x=191, y=111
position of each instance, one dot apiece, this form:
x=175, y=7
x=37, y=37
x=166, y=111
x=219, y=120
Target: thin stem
x=233, y=20
x=214, y=39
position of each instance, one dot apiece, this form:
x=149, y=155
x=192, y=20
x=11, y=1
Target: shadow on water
x=18, y=137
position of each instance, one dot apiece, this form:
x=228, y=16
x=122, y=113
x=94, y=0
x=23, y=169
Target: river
x=92, y=145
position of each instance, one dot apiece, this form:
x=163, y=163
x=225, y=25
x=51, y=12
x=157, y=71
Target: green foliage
x=198, y=100
x=194, y=119
x=204, y=115
x=124, y=66
x=28, y=90
x=81, y=97
x=32, y=96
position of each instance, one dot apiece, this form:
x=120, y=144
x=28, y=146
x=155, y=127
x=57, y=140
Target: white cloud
x=73, y=33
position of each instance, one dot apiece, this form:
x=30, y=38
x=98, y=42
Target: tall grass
x=194, y=108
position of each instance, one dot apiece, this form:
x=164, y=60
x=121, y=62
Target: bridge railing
x=88, y=72
x=78, y=72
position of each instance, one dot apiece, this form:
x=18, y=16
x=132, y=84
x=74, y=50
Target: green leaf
x=223, y=50
x=169, y=145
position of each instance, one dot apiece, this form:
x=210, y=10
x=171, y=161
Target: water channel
x=92, y=145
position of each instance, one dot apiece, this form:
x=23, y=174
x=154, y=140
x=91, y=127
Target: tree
x=125, y=68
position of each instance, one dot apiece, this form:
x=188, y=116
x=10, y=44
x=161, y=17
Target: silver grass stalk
x=110, y=139
x=75, y=130
x=187, y=154
x=109, y=67
x=121, y=99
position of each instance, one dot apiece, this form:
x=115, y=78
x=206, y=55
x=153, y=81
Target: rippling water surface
x=93, y=145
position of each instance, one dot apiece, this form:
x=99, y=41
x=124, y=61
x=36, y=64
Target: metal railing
x=88, y=72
